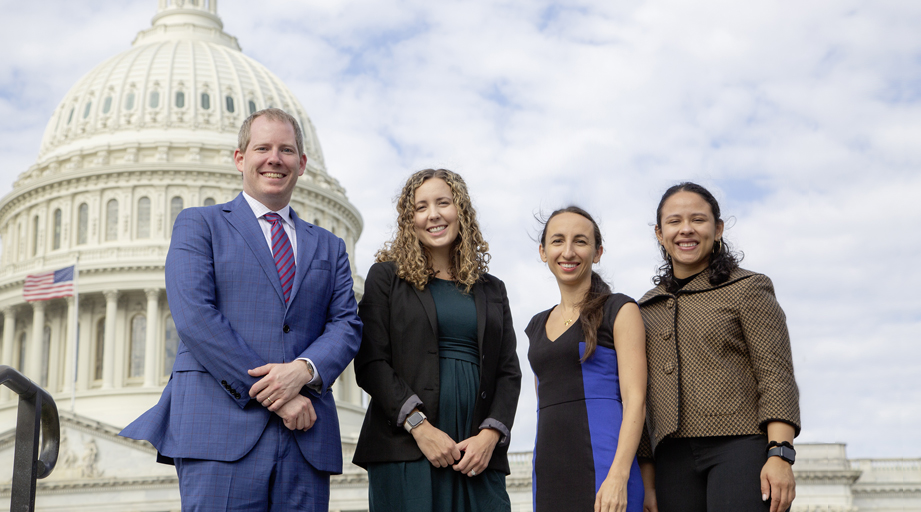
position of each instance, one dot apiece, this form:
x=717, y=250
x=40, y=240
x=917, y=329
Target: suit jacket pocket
x=186, y=362
x=320, y=265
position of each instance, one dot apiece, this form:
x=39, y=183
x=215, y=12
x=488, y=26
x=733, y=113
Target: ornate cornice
x=827, y=477
x=100, y=484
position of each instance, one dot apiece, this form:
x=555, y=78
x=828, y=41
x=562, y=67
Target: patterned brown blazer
x=719, y=360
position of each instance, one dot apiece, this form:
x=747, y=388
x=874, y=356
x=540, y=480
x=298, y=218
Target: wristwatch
x=413, y=420
x=783, y=450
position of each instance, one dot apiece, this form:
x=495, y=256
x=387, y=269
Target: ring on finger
x=472, y=473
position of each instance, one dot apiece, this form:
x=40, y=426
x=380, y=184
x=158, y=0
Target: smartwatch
x=413, y=420
x=783, y=450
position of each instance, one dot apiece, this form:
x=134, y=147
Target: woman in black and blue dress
x=438, y=359
x=589, y=362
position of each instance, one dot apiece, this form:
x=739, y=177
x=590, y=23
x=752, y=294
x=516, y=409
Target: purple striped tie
x=281, y=251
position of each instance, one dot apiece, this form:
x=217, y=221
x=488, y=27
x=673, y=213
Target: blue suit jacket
x=226, y=300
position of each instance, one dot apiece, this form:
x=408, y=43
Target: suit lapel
x=479, y=297
x=428, y=303
x=242, y=218
x=306, y=248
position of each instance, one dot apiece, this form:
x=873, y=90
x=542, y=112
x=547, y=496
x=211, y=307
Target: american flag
x=49, y=285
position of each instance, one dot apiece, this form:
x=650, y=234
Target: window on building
x=83, y=222
x=46, y=355
x=175, y=208
x=107, y=105
x=205, y=101
x=34, y=235
x=138, y=341
x=112, y=220
x=209, y=201
x=154, y=99
x=252, y=107
x=229, y=102
x=180, y=99
x=70, y=117
x=170, y=346
x=129, y=101
x=143, y=217
x=99, y=353
x=56, y=242
x=86, y=109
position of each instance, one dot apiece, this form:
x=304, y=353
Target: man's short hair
x=274, y=114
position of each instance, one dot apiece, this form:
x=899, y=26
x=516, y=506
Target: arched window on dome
x=46, y=356
x=143, y=228
x=205, y=101
x=86, y=109
x=252, y=107
x=111, y=220
x=228, y=101
x=83, y=221
x=129, y=101
x=175, y=208
x=35, y=235
x=154, y=99
x=56, y=241
x=99, y=351
x=107, y=105
x=136, y=351
x=70, y=117
x=180, y=99
x=170, y=346
x=209, y=201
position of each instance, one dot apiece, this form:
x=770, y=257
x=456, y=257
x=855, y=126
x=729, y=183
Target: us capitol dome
x=145, y=134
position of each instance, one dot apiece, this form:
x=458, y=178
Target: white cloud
x=803, y=118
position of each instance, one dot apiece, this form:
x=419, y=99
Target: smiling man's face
x=270, y=163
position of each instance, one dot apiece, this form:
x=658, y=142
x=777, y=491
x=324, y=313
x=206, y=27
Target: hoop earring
x=720, y=248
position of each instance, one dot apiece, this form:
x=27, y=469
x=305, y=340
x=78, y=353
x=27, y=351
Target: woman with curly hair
x=589, y=364
x=723, y=406
x=438, y=359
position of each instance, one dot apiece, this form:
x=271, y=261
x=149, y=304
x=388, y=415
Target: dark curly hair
x=591, y=307
x=722, y=261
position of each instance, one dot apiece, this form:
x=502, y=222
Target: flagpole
x=76, y=343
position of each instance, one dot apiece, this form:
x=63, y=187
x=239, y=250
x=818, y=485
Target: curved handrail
x=30, y=392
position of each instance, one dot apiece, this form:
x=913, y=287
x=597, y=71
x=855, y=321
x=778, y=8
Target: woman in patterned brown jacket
x=722, y=403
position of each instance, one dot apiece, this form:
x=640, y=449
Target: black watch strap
x=784, y=451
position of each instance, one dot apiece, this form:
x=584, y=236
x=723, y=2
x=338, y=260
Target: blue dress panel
x=579, y=415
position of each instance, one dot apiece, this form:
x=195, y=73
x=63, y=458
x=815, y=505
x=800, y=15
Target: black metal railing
x=37, y=415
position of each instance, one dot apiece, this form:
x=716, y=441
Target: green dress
x=418, y=486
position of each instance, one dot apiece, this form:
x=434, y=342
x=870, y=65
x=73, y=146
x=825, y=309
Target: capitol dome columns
x=150, y=341
x=34, y=359
x=108, y=350
x=9, y=326
x=69, y=347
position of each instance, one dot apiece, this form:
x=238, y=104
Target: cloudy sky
x=803, y=118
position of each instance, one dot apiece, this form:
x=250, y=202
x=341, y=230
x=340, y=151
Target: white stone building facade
x=140, y=137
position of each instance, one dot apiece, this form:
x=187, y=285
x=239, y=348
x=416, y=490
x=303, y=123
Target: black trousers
x=711, y=474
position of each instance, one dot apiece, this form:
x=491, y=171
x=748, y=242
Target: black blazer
x=399, y=358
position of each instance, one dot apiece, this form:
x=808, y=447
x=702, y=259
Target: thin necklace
x=567, y=322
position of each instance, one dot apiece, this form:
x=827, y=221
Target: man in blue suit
x=267, y=319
